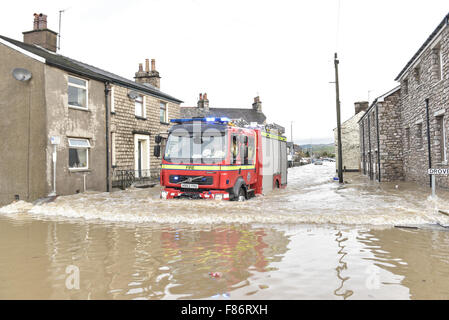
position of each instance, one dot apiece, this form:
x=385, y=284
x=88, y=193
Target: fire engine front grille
x=202, y=181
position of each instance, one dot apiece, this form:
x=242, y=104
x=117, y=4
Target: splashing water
x=312, y=196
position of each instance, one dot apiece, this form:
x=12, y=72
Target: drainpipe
x=370, y=171
x=363, y=147
x=107, y=89
x=378, y=141
x=428, y=139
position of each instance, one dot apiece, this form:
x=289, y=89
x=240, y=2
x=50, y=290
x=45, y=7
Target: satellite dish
x=21, y=74
x=133, y=95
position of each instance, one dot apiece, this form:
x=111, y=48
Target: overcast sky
x=234, y=50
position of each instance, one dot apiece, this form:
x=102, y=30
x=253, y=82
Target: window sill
x=166, y=123
x=140, y=118
x=79, y=108
x=80, y=170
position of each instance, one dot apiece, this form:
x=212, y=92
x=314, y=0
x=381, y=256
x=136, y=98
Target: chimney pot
x=201, y=96
x=153, y=65
x=205, y=96
x=140, y=67
x=147, y=65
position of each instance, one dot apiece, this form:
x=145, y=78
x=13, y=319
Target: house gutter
x=107, y=89
x=428, y=139
x=378, y=140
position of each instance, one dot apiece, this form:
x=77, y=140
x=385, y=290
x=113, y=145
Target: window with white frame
x=78, y=153
x=163, y=112
x=139, y=103
x=77, y=92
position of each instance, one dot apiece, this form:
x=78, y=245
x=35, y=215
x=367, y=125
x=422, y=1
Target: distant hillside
x=318, y=148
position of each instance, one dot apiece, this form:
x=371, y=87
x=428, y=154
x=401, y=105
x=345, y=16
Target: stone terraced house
x=380, y=138
x=350, y=140
x=405, y=130
x=425, y=107
x=67, y=126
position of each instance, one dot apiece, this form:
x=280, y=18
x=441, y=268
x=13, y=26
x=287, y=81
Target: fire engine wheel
x=242, y=195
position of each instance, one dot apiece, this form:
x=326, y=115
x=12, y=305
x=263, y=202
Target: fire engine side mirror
x=157, y=151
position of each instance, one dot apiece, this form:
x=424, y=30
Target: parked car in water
x=318, y=163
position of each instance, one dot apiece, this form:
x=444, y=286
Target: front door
x=142, y=155
x=139, y=157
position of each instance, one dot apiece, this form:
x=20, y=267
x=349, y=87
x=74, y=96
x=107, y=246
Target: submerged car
x=318, y=163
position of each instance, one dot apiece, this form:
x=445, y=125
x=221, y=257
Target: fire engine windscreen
x=195, y=147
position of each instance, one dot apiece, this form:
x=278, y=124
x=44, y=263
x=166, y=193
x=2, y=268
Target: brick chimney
x=203, y=102
x=361, y=106
x=148, y=76
x=40, y=35
x=257, y=105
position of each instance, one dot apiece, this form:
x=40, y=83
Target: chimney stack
x=40, y=35
x=361, y=106
x=203, y=102
x=148, y=76
x=257, y=105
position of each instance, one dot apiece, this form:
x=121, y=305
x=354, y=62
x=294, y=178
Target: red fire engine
x=216, y=158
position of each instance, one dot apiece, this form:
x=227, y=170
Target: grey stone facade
x=126, y=127
x=411, y=121
x=381, y=138
x=426, y=78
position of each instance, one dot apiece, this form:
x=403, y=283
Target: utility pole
x=337, y=88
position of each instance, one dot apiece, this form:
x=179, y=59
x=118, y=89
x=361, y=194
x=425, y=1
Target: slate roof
x=249, y=115
x=86, y=70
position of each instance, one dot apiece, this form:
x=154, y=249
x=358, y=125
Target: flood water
x=313, y=240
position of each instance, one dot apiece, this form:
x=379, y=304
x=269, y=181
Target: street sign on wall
x=438, y=171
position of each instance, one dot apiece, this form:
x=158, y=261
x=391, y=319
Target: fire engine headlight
x=218, y=197
x=164, y=194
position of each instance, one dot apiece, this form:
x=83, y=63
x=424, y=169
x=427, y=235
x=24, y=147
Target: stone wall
x=390, y=137
x=381, y=139
x=125, y=125
x=419, y=83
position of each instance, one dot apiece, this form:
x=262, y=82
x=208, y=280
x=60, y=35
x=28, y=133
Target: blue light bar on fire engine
x=207, y=119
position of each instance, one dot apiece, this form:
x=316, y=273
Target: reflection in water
x=418, y=258
x=314, y=239
x=342, y=266
x=168, y=262
x=132, y=263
